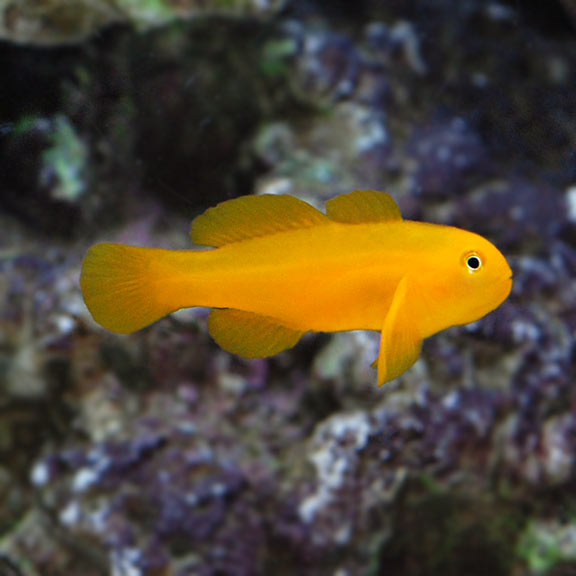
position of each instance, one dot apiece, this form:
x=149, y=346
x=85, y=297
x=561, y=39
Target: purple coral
x=517, y=211
x=447, y=156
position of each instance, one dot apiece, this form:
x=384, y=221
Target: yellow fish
x=281, y=268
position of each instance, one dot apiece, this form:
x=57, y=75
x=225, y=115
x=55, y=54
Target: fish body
x=280, y=268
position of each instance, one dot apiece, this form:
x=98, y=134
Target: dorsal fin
x=363, y=206
x=252, y=216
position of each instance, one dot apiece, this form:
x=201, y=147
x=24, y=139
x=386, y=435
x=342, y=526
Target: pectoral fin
x=401, y=342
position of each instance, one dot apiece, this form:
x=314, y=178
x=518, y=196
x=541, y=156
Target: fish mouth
x=509, y=285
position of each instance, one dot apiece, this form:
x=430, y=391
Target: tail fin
x=122, y=286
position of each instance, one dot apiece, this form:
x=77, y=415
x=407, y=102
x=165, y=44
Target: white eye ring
x=474, y=263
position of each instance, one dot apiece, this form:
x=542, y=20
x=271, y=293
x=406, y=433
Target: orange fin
x=401, y=342
x=118, y=285
x=250, y=335
x=363, y=206
x=252, y=216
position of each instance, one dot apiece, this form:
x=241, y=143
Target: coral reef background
x=157, y=454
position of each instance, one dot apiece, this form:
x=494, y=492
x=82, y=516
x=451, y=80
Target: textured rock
x=63, y=22
x=158, y=454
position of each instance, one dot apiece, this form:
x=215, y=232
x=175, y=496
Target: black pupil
x=474, y=262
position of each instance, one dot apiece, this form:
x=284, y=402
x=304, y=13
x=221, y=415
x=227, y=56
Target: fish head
x=482, y=277
x=471, y=278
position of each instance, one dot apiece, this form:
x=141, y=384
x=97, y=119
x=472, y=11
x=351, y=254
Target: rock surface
x=60, y=22
x=157, y=454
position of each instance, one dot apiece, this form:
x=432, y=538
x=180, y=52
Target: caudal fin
x=122, y=285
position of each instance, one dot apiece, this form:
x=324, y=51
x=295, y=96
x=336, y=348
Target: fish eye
x=473, y=262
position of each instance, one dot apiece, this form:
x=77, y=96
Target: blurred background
x=158, y=454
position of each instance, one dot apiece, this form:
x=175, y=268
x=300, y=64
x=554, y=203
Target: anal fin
x=250, y=335
x=401, y=342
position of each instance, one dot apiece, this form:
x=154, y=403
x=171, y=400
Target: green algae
x=545, y=545
x=275, y=61
x=151, y=13
x=65, y=161
x=148, y=12
x=451, y=533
